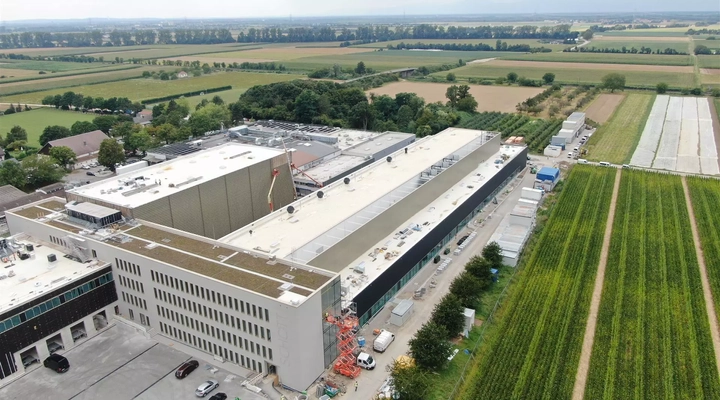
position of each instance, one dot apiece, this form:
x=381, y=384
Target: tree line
x=623, y=50
x=499, y=46
x=369, y=33
x=430, y=347
x=76, y=101
x=332, y=104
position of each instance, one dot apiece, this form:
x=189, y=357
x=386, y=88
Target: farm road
x=584, y=365
x=709, y=304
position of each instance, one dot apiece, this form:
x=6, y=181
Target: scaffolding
x=347, y=323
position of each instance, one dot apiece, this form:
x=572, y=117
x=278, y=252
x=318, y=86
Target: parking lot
x=122, y=364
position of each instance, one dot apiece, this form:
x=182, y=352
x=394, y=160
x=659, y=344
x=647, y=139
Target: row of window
x=134, y=300
x=209, y=295
x=54, y=302
x=131, y=283
x=128, y=267
x=209, y=312
x=217, y=333
x=213, y=348
x=58, y=241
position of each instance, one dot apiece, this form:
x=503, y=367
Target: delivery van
x=582, y=161
x=383, y=340
x=365, y=360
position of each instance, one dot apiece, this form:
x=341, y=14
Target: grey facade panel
x=353, y=246
x=239, y=195
x=260, y=178
x=186, y=211
x=157, y=211
x=215, y=212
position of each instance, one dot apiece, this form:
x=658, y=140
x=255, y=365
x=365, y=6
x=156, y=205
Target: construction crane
x=346, y=363
x=275, y=174
x=318, y=184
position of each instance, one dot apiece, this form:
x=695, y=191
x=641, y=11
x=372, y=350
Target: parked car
x=54, y=347
x=186, y=368
x=90, y=173
x=365, y=360
x=57, y=363
x=78, y=334
x=207, y=387
x=29, y=360
x=219, y=396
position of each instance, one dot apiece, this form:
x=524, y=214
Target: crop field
x=140, y=89
x=489, y=42
x=386, y=60
x=127, y=52
x=48, y=66
x=9, y=73
x=708, y=61
x=705, y=196
x=36, y=120
x=603, y=107
x=601, y=58
x=283, y=53
x=712, y=44
x=489, y=98
x=29, y=75
x=570, y=74
x=616, y=139
x=537, y=347
x=678, y=136
x=70, y=80
x=653, y=336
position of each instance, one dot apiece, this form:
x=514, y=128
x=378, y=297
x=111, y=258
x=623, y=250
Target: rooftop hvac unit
x=51, y=258
x=29, y=248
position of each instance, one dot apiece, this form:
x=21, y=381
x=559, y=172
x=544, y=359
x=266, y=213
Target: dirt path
x=709, y=304
x=584, y=367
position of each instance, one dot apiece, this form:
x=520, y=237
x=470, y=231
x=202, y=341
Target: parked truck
x=383, y=340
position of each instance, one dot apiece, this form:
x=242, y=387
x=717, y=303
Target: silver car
x=207, y=387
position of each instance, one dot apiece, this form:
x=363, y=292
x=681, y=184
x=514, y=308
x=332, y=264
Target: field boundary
x=584, y=365
x=709, y=303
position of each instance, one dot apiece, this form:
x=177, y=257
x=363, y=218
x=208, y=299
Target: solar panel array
x=289, y=126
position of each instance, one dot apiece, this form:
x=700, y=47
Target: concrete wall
x=354, y=245
x=296, y=332
x=225, y=204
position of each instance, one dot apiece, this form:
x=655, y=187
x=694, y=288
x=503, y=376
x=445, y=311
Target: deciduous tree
x=493, y=253
x=613, y=82
x=467, y=288
x=448, y=313
x=64, y=156
x=548, y=78
x=41, y=170
x=82, y=127
x=430, y=347
x=409, y=381
x=111, y=153
x=16, y=133
x=12, y=173
x=53, y=132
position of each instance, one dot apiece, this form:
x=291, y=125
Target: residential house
x=143, y=117
x=182, y=74
x=86, y=146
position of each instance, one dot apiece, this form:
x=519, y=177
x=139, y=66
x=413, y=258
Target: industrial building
x=52, y=297
x=257, y=298
x=515, y=228
x=572, y=127
x=209, y=193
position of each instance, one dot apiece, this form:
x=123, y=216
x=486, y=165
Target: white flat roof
x=33, y=278
x=281, y=233
x=372, y=146
x=426, y=219
x=331, y=168
x=184, y=172
x=348, y=138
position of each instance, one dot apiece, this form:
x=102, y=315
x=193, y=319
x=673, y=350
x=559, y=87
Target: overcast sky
x=71, y=9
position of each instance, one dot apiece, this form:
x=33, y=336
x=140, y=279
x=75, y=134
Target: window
x=254, y=311
x=267, y=315
x=132, y=316
x=94, y=253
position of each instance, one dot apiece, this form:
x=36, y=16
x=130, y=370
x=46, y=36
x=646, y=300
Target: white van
x=382, y=342
x=583, y=161
x=365, y=360
x=604, y=163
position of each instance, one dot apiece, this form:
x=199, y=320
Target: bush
x=486, y=82
x=42, y=73
x=451, y=77
x=715, y=92
x=696, y=91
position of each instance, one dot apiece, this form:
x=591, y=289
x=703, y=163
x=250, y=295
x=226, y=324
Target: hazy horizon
x=17, y=10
